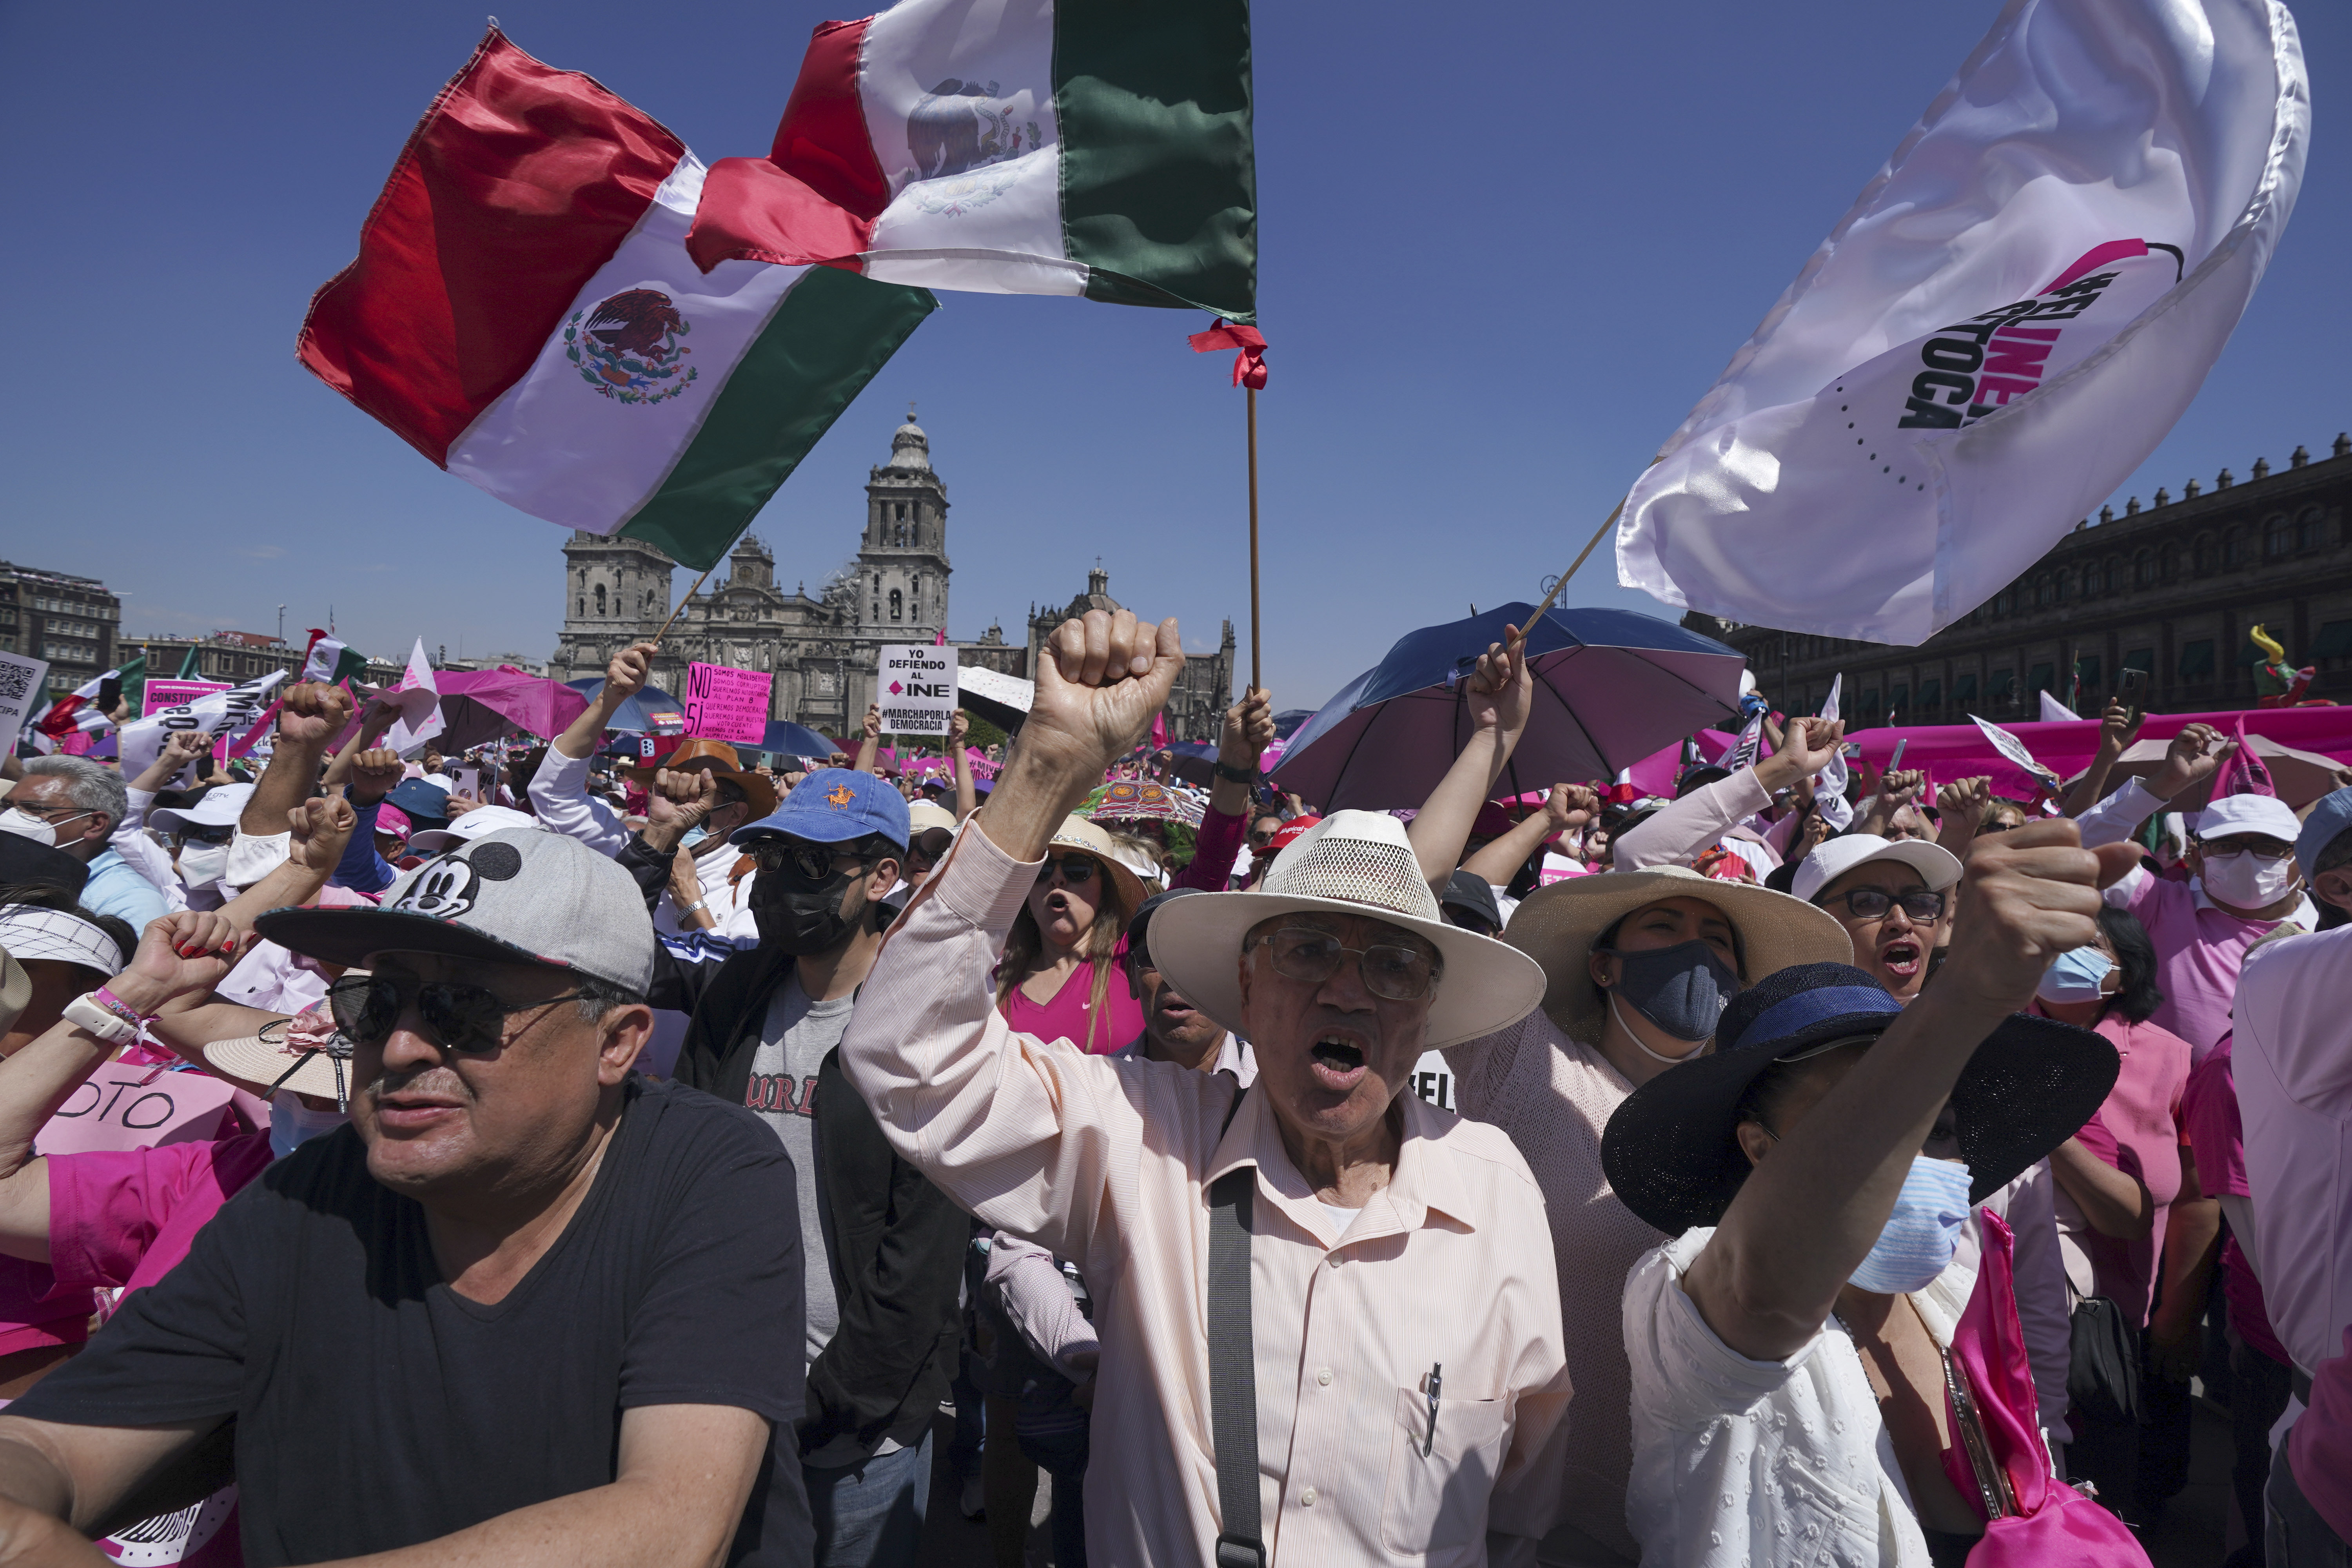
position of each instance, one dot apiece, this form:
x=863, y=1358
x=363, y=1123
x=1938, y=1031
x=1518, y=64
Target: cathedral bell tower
x=614, y=591
x=901, y=592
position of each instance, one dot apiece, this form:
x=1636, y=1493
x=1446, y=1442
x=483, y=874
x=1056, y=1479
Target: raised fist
x=313, y=713
x=374, y=775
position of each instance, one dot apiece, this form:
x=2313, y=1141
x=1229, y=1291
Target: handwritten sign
x=128, y=1106
x=916, y=685
x=162, y=694
x=21, y=696
x=723, y=704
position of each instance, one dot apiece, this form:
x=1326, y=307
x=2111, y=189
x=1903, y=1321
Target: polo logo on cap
x=839, y=796
x=443, y=891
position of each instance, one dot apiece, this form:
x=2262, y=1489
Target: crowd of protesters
x=1828, y=1170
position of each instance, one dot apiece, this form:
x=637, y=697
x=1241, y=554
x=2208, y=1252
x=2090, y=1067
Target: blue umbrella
x=1194, y=762
x=635, y=716
x=788, y=739
x=1612, y=686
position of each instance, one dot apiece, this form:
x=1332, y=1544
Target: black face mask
x=799, y=918
x=1681, y=989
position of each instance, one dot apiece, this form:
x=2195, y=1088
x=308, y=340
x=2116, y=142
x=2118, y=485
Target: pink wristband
x=120, y=1008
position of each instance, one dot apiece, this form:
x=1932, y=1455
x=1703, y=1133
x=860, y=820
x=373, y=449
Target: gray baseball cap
x=518, y=896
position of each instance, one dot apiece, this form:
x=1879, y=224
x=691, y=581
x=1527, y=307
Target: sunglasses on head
x=1077, y=870
x=459, y=1017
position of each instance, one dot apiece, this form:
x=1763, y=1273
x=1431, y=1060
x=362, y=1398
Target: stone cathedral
x=823, y=649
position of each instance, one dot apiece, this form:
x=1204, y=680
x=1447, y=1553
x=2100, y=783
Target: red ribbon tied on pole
x=1249, y=364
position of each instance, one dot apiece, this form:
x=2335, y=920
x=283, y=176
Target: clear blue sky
x=1503, y=250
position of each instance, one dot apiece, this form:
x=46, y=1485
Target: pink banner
x=723, y=704
x=162, y=694
x=1951, y=752
x=125, y=1105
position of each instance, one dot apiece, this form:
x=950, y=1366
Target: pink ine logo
x=896, y=688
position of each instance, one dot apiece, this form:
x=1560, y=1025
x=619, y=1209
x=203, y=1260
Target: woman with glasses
x=1060, y=979
x=1893, y=897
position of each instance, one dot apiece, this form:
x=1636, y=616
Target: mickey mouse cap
x=522, y=895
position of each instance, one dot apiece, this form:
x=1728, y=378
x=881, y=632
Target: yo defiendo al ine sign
x=916, y=686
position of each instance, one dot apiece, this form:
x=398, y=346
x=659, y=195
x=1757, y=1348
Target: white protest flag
x=419, y=697
x=2052, y=709
x=2013, y=314
x=1829, y=790
x=1745, y=747
x=213, y=713
x=2015, y=750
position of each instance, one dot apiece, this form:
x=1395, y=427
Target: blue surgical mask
x=2079, y=975
x=1922, y=1233
x=693, y=835
x=1681, y=989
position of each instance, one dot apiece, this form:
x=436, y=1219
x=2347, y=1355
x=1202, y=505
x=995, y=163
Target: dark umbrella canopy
x=1194, y=762
x=1611, y=688
x=788, y=739
x=635, y=716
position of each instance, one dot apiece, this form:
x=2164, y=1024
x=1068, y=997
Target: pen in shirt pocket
x=1436, y=1381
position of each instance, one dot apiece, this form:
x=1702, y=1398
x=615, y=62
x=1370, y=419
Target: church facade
x=822, y=648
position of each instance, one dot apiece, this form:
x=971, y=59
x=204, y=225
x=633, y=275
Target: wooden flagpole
x=1590, y=546
x=706, y=571
x=1257, y=642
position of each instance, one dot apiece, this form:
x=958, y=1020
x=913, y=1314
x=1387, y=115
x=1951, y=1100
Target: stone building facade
x=822, y=648
x=2173, y=589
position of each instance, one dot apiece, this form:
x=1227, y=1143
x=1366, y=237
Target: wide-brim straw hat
x=304, y=1061
x=1076, y=833
x=717, y=757
x=1350, y=863
x=1556, y=926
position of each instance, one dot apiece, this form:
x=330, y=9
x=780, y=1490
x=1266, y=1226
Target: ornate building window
x=2003, y=604
x=2309, y=531
x=2045, y=591
x=2167, y=564
x=897, y=603
x=2206, y=558
x=600, y=598
x=2143, y=569
x=584, y=608
x=2233, y=551
x=2094, y=580
x=2278, y=536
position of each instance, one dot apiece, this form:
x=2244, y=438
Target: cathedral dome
x=909, y=447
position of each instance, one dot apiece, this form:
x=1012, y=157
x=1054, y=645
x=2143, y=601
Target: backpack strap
x=1232, y=1366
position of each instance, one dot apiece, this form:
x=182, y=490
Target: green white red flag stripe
x=1094, y=147
x=523, y=312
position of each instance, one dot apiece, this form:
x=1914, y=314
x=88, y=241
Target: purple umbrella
x=482, y=704
x=1611, y=688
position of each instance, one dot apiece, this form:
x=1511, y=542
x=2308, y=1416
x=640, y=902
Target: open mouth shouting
x=1337, y=1058
x=1902, y=957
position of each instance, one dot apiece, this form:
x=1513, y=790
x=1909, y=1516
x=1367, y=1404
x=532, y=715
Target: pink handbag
x=1998, y=1461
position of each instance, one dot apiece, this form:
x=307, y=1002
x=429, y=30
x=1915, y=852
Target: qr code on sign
x=16, y=679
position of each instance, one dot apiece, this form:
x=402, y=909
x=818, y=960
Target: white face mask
x=25, y=824
x=2246, y=881
x=202, y=864
x=293, y=1123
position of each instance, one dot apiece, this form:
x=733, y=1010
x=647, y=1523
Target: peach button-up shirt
x=1107, y=1161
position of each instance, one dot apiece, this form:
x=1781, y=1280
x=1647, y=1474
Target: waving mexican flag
x=523, y=312
x=1094, y=147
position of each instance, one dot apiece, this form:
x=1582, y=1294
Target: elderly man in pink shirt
x=2246, y=886
x=2293, y=1058
x=1350, y=1350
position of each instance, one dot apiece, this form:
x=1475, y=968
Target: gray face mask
x=1681, y=989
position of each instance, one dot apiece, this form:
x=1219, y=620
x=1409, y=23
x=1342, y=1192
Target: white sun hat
x=1351, y=863
x=466, y=826
x=1937, y=866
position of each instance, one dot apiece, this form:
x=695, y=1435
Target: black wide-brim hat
x=1671, y=1153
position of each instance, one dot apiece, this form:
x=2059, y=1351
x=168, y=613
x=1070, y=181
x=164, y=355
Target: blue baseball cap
x=834, y=806
x=419, y=799
x=2330, y=817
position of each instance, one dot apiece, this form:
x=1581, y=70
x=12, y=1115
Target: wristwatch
x=1238, y=775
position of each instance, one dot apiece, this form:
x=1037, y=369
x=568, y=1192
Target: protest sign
x=20, y=693
x=723, y=704
x=916, y=686
x=2009, y=746
x=162, y=694
x=126, y=1105
x=419, y=697
x=214, y=713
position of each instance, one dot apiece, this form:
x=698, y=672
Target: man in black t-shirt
x=529, y=1307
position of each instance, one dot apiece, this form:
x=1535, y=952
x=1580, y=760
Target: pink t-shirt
x=2137, y=1131
x=2209, y=1110
x=121, y=1219
x=1065, y=1017
x=2198, y=950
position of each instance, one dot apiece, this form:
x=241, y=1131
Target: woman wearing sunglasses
x=1060, y=979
